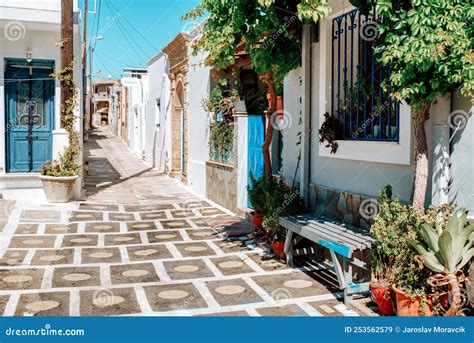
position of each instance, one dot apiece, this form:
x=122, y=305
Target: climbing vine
x=220, y=105
x=66, y=165
x=222, y=141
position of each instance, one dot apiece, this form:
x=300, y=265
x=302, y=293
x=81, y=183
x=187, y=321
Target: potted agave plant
x=446, y=251
x=399, y=280
x=59, y=176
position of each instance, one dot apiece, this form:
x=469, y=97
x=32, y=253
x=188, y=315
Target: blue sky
x=148, y=25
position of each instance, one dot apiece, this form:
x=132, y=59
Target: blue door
x=29, y=99
x=256, y=137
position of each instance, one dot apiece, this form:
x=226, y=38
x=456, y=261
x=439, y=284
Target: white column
x=242, y=160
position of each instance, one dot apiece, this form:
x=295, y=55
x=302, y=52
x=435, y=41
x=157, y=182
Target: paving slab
x=43, y=304
x=183, y=296
x=233, y=292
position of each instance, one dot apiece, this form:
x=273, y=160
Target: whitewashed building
x=29, y=31
x=136, y=83
x=380, y=152
x=200, y=85
x=158, y=115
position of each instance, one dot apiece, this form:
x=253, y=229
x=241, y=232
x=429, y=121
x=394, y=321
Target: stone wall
x=222, y=184
x=221, y=179
x=352, y=209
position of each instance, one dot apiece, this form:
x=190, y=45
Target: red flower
x=57, y=166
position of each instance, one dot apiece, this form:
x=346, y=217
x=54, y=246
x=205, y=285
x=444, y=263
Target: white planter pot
x=58, y=189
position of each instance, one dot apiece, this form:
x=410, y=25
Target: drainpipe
x=441, y=151
x=306, y=114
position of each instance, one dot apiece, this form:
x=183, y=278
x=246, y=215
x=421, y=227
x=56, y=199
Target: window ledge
x=371, y=151
x=220, y=164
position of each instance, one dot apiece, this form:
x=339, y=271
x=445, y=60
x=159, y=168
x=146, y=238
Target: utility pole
x=85, y=97
x=67, y=46
x=91, y=88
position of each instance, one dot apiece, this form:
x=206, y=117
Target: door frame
x=35, y=64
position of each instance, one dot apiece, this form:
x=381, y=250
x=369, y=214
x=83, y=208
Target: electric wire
x=134, y=28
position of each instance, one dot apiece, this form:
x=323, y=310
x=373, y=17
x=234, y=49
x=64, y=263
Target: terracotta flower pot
x=279, y=249
x=413, y=306
x=257, y=220
x=383, y=297
x=58, y=189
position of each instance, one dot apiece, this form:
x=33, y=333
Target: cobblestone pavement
x=141, y=244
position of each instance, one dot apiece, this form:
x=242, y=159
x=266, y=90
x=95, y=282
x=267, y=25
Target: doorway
x=29, y=99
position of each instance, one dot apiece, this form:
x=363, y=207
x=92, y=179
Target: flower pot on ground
x=58, y=179
x=382, y=258
x=419, y=305
x=278, y=249
x=257, y=194
x=445, y=249
x=58, y=189
x=257, y=222
x=59, y=176
x=271, y=197
x=383, y=296
x=396, y=229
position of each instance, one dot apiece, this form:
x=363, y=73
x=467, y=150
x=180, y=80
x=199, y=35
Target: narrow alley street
x=141, y=244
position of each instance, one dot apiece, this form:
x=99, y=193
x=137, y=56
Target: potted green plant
x=58, y=177
x=281, y=200
x=445, y=251
x=271, y=198
x=397, y=276
x=257, y=198
x=413, y=294
x=382, y=259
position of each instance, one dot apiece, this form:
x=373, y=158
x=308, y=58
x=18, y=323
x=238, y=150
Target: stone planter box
x=58, y=189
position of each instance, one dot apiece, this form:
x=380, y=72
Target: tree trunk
x=67, y=49
x=455, y=302
x=85, y=97
x=420, y=178
x=272, y=107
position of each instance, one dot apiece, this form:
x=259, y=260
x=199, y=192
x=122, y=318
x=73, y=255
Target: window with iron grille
x=360, y=93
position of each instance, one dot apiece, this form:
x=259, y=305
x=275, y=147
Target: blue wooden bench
x=339, y=238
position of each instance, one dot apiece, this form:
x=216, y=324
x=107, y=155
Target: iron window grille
x=360, y=92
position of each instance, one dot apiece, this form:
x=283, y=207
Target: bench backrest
x=339, y=205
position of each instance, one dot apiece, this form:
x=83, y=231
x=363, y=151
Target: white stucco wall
x=292, y=94
x=461, y=190
x=158, y=118
x=137, y=100
x=199, y=78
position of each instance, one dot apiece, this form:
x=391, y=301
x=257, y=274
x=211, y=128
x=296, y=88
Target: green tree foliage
x=429, y=46
x=270, y=29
